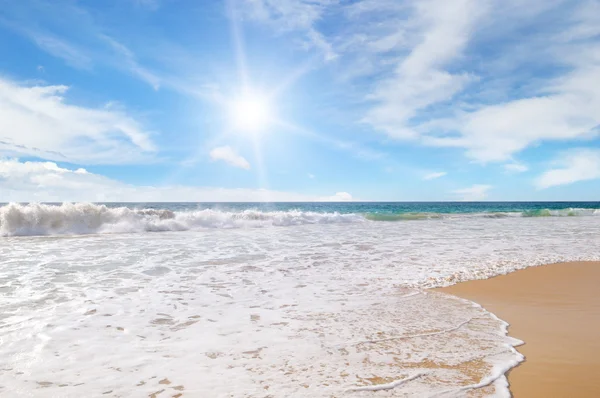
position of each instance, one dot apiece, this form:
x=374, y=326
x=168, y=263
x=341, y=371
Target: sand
x=555, y=310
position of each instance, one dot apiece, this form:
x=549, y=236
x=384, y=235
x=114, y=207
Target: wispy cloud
x=294, y=16
x=73, y=55
x=433, y=176
x=131, y=62
x=38, y=121
x=473, y=193
x=573, y=166
x=516, y=167
x=46, y=24
x=70, y=32
x=230, y=156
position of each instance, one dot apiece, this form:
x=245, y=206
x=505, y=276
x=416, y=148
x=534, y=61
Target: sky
x=299, y=100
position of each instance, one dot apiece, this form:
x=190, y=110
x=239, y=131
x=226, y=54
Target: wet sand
x=555, y=309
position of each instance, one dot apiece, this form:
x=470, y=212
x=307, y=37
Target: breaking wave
x=571, y=212
x=88, y=218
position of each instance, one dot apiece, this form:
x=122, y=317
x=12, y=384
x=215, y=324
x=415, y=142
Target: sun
x=250, y=113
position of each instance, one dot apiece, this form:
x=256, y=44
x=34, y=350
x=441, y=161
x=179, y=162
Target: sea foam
x=88, y=218
x=312, y=310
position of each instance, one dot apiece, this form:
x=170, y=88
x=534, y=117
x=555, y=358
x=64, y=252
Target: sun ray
x=296, y=74
x=261, y=171
x=238, y=43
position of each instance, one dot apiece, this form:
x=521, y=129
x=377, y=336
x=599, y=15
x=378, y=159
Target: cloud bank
x=48, y=182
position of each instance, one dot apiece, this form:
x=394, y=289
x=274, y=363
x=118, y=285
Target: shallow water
x=319, y=309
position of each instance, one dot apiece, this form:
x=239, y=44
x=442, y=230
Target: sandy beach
x=555, y=310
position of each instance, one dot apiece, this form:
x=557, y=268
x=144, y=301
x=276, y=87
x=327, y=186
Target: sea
x=267, y=299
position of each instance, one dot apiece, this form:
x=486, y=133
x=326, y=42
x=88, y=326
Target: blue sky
x=244, y=100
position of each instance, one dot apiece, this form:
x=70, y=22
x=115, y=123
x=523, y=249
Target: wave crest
x=88, y=218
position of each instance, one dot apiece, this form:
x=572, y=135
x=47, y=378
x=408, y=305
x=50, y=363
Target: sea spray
x=88, y=218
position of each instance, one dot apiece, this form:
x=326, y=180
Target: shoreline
x=555, y=310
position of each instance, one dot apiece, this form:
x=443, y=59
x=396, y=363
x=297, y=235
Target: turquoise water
x=389, y=211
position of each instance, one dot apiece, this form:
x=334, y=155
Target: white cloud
x=516, y=167
x=473, y=193
x=311, y=176
x=495, y=132
x=560, y=106
x=47, y=182
x=433, y=176
x=419, y=80
x=575, y=165
x=338, y=197
x=37, y=121
x=228, y=155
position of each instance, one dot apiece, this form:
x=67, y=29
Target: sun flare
x=250, y=113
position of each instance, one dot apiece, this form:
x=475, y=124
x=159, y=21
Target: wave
x=569, y=212
x=88, y=218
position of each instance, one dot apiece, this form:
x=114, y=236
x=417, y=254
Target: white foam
x=87, y=218
x=313, y=310
x=388, y=386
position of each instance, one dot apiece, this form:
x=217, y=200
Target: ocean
x=267, y=300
